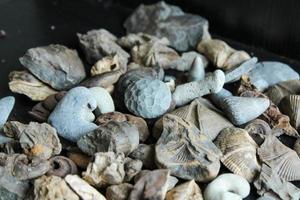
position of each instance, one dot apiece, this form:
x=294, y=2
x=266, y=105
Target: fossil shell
x=62, y=166
x=220, y=54
x=258, y=129
x=138, y=122
x=146, y=154
x=297, y=147
x=152, y=185
x=104, y=80
x=203, y=115
x=239, y=152
x=188, y=153
x=118, y=192
x=114, y=136
x=241, y=110
x=148, y=98
x=106, y=169
x=185, y=191
x=270, y=184
x=290, y=105
x=106, y=64
x=82, y=188
x=277, y=92
x=52, y=187
x=23, y=82
x=283, y=160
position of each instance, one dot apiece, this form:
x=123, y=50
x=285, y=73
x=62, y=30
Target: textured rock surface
x=114, y=136
x=186, y=152
x=99, y=43
x=83, y=189
x=152, y=185
x=163, y=20
x=52, y=187
x=267, y=74
x=188, y=190
x=290, y=105
x=146, y=154
x=221, y=54
x=138, y=122
x=187, y=92
x=62, y=166
x=55, y=65
x=148, y=98
x=132, y=168
x=7, y=195
x=118, y=192
x=6, y=106
x=107, y=169
x=72, y=116
x=22, y=82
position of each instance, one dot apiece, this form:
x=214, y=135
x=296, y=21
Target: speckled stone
x=269, y=73
x=72, y=117
x=55, y=65
x=163, y=20
x=148, y=98
x=6, y=106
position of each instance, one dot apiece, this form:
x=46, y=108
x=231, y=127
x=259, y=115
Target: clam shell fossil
x=290, y=105
x=277, y=92
x=185, y=191
x=239, y=152
x=280, y=158
x=186, y=152
x=258, y=129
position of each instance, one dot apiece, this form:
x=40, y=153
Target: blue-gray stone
x=218, y=98
x=197, y=71
x=183, y=30
x=148, y=98
x=73, y=116
x=6, y=106
x=235, y=73
x=266, y=74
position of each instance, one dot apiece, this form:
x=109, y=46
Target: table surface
x=32, y=23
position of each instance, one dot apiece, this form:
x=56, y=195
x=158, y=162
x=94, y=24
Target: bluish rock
x=197, y=71
x=269, y=73
x=218, y=98
x=73, y=116
x=148, y=98
x=183, y=30
x=6, y=106
x=235, y=73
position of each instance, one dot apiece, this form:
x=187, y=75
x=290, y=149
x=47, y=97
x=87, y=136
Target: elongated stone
x=197, y=71
x=55, y=65
x=212, y=83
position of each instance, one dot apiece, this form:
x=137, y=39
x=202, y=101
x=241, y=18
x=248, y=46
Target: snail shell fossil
x=239, y=152
x=186, y=152
x=290, y=105
x=280, y=158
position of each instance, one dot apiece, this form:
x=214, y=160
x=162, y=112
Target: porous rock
x=114, y=136
x=55, y=65
x=22, y=82
x=72, y=116
x=164, y=20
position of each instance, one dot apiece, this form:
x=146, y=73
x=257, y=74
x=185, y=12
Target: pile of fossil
x=166, y=112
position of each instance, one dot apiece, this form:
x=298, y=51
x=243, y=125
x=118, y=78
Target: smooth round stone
x=6, y=106
x=266, y=74
x=148, y=98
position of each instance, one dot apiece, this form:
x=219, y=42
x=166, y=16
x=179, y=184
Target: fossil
x=290, y=105
x=258, y=129
x=280, y=158
x=23, y=82
x=61, y=166
x=118, y=192
x=239, y=152
x=107, y=64
x=185, y=151
x=221, y=54
x=114, y=136
x=196, y=72
x=56, y=65
x=146, y=154
x=297, y=147
x=186, y=191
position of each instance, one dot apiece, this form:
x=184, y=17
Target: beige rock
x=185, y=191
x=106, y=64
x=22, y=82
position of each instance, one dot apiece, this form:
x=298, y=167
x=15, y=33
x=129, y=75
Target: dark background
x=268, y=29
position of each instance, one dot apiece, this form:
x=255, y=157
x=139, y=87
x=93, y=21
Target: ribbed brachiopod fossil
x=239, y=152
x=290, y=105
x=188, y=153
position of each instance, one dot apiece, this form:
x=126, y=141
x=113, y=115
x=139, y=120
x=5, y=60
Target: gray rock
x=212, y=83
x=197, y=71
x=97, y=44
x=183, y=30
x=132, y=168
x=235, y=73
x=146, y=154
x=241, y=110
x=55, y=65
x=73, y=116
x=218, y=98
x=269, y=73
x=113, y=136
x=7, y=195
x=6, y=106
x=186, y=60
x=148, y=98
